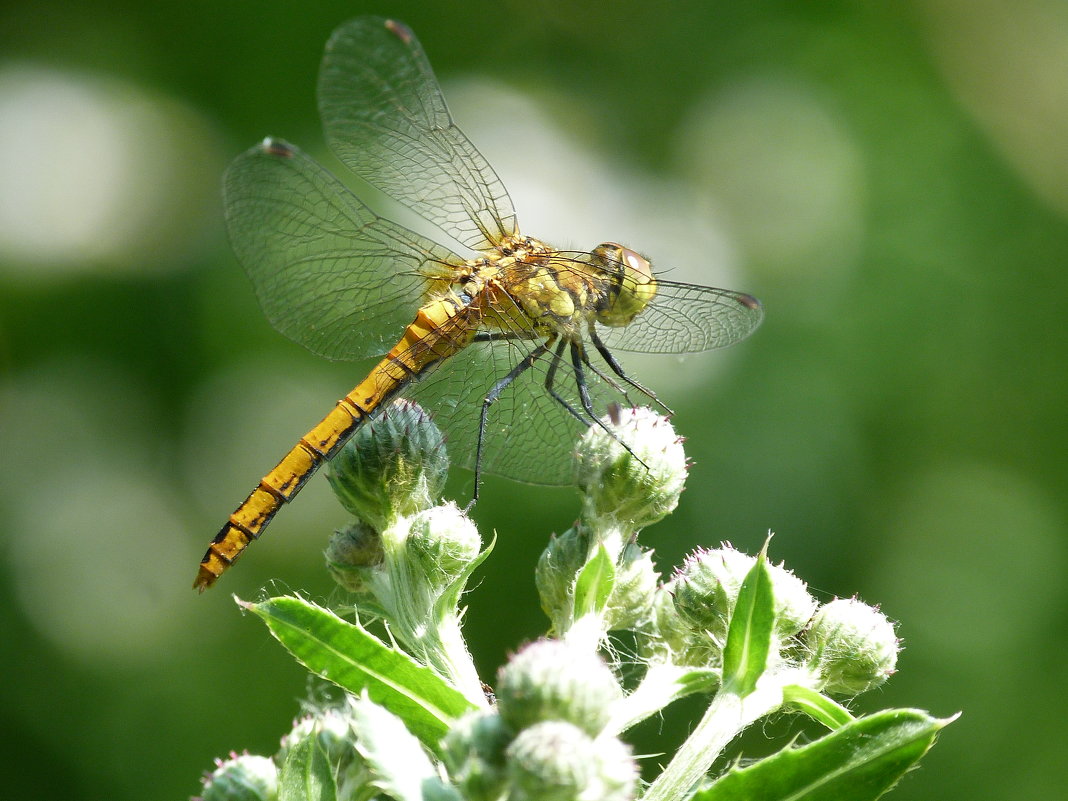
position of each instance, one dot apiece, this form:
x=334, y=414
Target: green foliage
x=357, y=661
x=306, y=775
x=749, y=637
x=816, y=705
x=858, y=762
x=406, y=729
x=594, y=585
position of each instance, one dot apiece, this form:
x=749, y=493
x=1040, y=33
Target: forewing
x=685, y=318
x=386, y=119
x=328, y=272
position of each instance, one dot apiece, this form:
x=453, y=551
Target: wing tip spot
x=276, y=147
x=400, y=30
x=750, y=302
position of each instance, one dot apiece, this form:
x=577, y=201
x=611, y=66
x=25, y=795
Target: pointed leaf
x=450, y=598
x=306, y=774
x=816, y=705
x=594, y=584
x=357, y=661
x=858, y=762
x=745, y=655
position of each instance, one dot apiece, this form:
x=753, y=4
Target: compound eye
x=636, y=286
x=638, y=268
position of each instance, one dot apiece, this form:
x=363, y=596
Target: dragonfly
x=512, y=347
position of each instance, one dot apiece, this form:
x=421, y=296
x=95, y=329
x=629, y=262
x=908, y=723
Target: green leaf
x=357, y=661
x=594, y=584
x=745, y=655
x=450, y=598
x=306, y=774
x=858, y=762
x=816, y=705
x=398, y=766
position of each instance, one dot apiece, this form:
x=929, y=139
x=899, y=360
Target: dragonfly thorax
x=530, y=287
x=633, y=284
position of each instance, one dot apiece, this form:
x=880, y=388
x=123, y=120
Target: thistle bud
x=631, y=601
x=706, y=588
x=557, y=761
x=330, y=727
x=615, y=774
x=853, y=646
x=707, y=585
x=242, y=778
x=353, y=552
x=444, y=540
x=636, y=484
x=794, y=604
x=474, y=755
x=552, y=680
x=394, y=465
x=332, y=730
x=557, y=571
x=671, y=639
x=550, y=761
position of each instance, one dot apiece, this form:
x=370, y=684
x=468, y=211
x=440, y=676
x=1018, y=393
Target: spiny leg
x=505, y=336
x=492, y=396
x=601, y=374
x=578, y=359
x=617, y=368
x=550, y=379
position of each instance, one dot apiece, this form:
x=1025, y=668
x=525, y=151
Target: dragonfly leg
x=578, y=359
x=605, y=377
x=550, y=379
x=492, y=396
x=504, y=336
x=617, y=368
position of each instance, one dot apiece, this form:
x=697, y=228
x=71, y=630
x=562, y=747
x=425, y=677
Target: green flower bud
x=551, y=761
x=242, y=778
x=557, y=571
x=552, y=680
x=332, y=729
x=706, y=588
x=474, y=755
x=794, y=604
x=394, y=465
x=444, y=540
x=670, y=639
x=631, y=601
x=707, y=585
x=637, y=487
x=354, y=551
x=615, y=773
x=853, y=646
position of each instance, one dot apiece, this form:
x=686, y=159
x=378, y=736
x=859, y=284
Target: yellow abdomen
x=438, y=331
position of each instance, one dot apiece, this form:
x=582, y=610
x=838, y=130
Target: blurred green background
x=891, y=179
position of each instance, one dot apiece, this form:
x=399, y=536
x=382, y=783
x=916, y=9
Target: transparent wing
x=329, y=273
x=686, y=318
x=387, y=121
x=530, y=436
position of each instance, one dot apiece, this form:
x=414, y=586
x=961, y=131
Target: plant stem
x=726, y=717
x=433, y=638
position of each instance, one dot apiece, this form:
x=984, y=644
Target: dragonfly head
x=633, y=283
